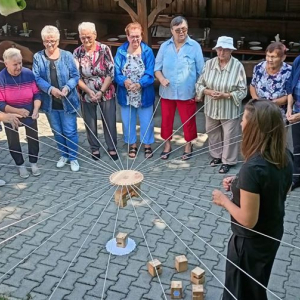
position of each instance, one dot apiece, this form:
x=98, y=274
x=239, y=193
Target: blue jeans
x=129, y=124
x=64, y=128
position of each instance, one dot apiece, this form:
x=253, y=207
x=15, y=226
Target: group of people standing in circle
x=60, y=83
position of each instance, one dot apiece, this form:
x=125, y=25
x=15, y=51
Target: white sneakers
x=23, y=172
x=2, y=182
x=35, y=170
x=61, y=162
x=73, y=163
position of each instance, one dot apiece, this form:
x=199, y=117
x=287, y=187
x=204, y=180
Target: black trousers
x=14, y=145
x=89, y=114
x=255, y=256
x=296, y=143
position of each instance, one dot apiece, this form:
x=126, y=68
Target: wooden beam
x=129, y=9
x=161, y=5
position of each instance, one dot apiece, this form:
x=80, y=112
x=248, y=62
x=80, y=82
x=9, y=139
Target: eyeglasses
x=272, y=57
x=50, y=42
x=135, y=37
x=183, y=30
x=83, y=38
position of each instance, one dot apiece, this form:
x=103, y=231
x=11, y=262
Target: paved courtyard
x=54, y=228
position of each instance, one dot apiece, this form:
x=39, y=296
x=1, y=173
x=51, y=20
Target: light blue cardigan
x=67, y=75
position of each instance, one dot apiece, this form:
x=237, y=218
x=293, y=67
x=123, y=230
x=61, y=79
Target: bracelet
x=102, y=91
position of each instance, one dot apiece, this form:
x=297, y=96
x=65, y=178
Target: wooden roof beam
x=128, y=7
x=161, y=5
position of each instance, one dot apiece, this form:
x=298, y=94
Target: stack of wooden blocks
x=181, y=265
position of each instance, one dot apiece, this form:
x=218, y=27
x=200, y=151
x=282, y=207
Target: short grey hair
x=177, y=21
x=9, y=53
x=87, y=26
x=50, y=30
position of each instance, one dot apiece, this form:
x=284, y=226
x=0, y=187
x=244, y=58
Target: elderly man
x=178, y=65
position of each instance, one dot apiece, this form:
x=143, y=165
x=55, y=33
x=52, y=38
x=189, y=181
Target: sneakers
x=35, y=170
x=74, y=165
x=61, y=162
x=2, y=182
x=23, y=172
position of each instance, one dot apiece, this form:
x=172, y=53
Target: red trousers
x=186, y=109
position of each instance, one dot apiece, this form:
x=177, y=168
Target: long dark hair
x=264, y=132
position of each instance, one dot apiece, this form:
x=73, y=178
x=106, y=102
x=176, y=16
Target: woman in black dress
x=259, y=192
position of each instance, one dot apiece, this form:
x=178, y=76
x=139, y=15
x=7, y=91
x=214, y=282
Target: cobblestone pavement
x=60, y=237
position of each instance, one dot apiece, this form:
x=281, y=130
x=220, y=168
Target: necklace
x=18, y=84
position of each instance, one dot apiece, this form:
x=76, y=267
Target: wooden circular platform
x=126, y=177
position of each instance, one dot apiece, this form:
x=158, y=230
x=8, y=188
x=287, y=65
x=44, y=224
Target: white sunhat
x=225, y=42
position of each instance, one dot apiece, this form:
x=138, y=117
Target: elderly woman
x=270, y=77
x=258, y=201
x=223, y=84
x=178, y=64
x=293, y=116
x=96, y=68
x=134, y=75
x=57, y=76
x=20, y=95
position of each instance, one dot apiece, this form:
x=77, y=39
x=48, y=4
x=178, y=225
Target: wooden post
x=143, y=15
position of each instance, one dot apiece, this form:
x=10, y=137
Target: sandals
x=187, y=155
x=132, y=150
x=165, y=155
x=95, y=156
x=225, y=168
x=215, y=162
x=148, y=152
x=113, y=156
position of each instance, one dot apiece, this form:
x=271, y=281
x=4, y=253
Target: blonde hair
x=50, y=30
x=87, y=26
x=9, y=53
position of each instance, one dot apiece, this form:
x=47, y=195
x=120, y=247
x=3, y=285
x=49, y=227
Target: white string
x=158, y=102
x=128, y=136
x=53, y=147
x=222, y=255
x=77, y=253
x=34, y=182
x=88, y=158
x=237, y=224
x=167, y=162
x=196, y=256
x=107, y=127
x=158, y=277
x=45, y=210
x=43, y=194
x=24, y=230
x=172, y=135
x=51, y=236
x=51, y=170
x=93, y=134
x=113, y=235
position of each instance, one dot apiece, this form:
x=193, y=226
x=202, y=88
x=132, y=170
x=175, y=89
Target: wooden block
x=152, y=265
x=181, y=263
x=123, y=194
x=120, y=197
x=198, y=276
x=122, y=239
x=176, y=290
x=197, y=292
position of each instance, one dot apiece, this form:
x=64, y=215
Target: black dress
x=253, y=252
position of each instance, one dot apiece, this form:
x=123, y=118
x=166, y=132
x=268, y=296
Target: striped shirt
x=18, y=91
x=232, y=79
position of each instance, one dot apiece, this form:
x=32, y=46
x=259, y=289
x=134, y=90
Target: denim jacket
x=67, y=75
x=147, y=80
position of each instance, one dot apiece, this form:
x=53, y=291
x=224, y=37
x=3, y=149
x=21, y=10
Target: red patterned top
x=94, y=68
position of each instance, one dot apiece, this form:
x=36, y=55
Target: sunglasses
x=183, y=30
